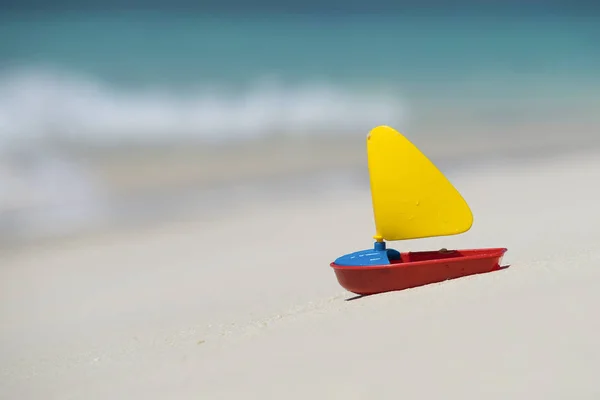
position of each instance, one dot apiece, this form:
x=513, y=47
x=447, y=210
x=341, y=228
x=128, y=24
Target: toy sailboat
x=412, y=199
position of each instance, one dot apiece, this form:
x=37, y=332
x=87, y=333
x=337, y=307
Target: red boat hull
x=418, y=269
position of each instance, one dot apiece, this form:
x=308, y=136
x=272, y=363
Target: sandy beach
x=175, y=182
x=245, y=305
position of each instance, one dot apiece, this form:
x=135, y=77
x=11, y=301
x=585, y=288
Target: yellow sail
x=411, y=198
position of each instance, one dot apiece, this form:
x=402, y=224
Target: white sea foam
x=42, y=105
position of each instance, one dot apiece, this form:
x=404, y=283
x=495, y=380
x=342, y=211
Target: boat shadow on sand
x=361, y=296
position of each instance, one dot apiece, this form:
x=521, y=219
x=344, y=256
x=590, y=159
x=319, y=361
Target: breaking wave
x=46, y=105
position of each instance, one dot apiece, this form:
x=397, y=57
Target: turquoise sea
x=141, y=76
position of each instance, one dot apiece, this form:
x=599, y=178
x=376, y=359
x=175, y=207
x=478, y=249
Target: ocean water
x=113, y=77
x=106, y=79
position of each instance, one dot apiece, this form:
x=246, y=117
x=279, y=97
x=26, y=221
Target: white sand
x=209, y=309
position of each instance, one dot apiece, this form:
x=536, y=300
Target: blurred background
x=128, y=112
